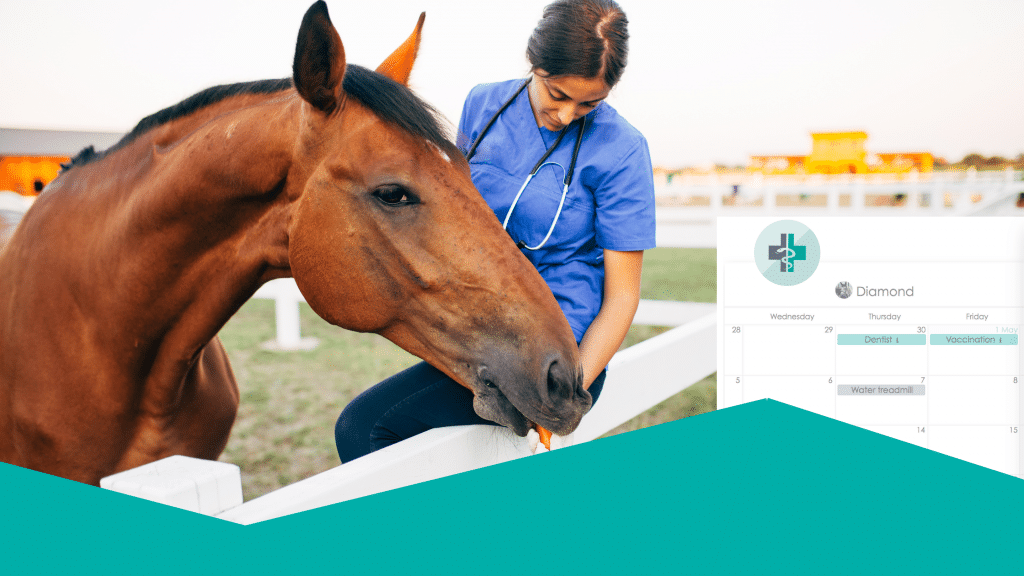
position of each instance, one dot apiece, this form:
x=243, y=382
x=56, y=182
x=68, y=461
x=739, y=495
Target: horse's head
x=389, y=235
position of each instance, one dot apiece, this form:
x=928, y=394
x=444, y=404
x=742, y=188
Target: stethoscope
x=566, y=180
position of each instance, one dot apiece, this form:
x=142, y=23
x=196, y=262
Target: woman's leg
x=409, y=403
x=406, y=404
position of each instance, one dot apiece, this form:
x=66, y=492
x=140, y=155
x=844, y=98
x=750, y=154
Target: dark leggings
x=411, y=402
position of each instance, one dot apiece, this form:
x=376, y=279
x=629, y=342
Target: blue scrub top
x=610, y=204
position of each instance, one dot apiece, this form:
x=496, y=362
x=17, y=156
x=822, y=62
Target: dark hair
x=586, y=38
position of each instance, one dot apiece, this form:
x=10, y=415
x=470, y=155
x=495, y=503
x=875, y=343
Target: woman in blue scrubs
x=586, y=240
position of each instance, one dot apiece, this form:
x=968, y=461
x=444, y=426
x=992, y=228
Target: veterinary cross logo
x=787, y=253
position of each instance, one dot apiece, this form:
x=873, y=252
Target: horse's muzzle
x=555, y=399
x=565, y=394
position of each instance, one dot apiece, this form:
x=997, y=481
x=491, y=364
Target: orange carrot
x=545, y=437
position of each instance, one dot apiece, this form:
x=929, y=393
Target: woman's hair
x=586, y=38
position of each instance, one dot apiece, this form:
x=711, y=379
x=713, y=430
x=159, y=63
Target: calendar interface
x=905, y=326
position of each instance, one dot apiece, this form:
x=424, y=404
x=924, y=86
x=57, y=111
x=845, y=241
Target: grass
x=290, y=400
x=683, y=274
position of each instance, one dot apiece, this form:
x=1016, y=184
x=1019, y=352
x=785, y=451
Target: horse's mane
x=389, y=100
x=396, y=104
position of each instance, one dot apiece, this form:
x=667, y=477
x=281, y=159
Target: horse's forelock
x=398, y=105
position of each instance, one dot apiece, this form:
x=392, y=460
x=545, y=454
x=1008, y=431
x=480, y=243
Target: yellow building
x=29, y=159
x=28, y=175
x=842, y=153
x=837, y=153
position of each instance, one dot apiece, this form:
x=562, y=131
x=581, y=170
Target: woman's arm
x=621, y=297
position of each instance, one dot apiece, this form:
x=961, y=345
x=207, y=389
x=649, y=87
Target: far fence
x=926, y=194
x=287, y=297
x=14, y=202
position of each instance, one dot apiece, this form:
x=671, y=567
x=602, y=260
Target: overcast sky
x=706, y=81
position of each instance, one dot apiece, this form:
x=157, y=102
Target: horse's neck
x=202, y=225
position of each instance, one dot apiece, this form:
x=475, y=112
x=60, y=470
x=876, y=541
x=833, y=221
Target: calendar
x=908, y=327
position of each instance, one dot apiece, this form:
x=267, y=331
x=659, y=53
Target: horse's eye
x=394, y=195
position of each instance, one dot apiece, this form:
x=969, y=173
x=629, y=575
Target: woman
x=585, y=238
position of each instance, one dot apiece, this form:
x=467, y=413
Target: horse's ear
x=319, y=66
x=398, y=66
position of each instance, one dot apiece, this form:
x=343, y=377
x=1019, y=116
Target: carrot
x=545, y=437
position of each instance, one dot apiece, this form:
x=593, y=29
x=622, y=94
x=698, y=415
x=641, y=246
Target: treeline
x=980, y=162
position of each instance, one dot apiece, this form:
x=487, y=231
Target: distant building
x=842, y=153
x=837, y=153
x=30, y=159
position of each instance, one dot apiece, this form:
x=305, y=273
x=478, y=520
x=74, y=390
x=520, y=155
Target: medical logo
x=787, y=253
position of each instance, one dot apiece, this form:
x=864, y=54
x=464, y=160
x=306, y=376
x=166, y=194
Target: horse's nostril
x=484, y=374
x=560, y=385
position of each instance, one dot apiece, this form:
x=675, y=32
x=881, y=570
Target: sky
x=707, y=82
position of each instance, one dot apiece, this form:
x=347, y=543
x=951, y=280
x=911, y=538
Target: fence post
x=832, y=203
x=286, y=314
x=937, y=201
x=913, y=191
x=286, y=297
x=716, y=200
x=857, y=196
x=962, y=201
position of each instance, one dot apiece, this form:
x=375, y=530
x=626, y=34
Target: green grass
x=290, y=400
x=683, y=274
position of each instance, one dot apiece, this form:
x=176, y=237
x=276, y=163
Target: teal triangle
x=761, y=487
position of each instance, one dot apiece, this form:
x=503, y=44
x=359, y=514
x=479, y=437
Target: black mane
x=389, y=100
x=396, y=104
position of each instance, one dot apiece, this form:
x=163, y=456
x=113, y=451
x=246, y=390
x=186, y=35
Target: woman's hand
x=621, y=298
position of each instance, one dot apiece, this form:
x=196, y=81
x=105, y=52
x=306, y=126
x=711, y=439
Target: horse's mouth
x=494, y=406
x=491, y=403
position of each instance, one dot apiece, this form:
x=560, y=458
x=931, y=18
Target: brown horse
x=116, y=282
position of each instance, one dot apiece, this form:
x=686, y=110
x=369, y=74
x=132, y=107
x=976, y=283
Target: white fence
x=286, y=297
x=14, y=202
x=638, y=378
x=927, y=194
x=683, y=222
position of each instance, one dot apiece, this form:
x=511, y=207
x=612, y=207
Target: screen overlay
x=905, y=326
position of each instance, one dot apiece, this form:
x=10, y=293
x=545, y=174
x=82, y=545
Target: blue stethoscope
x=566, y=180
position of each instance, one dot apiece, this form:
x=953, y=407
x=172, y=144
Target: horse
x=117, y=280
